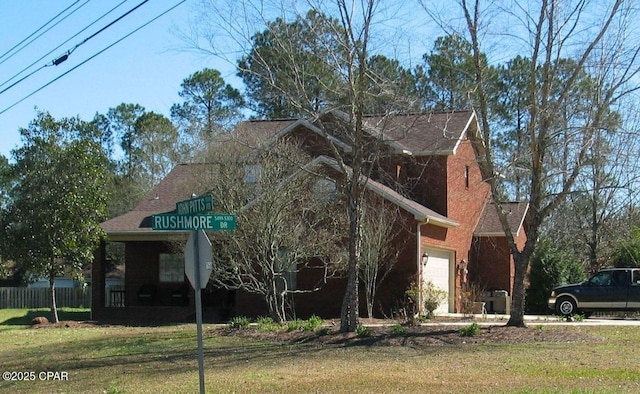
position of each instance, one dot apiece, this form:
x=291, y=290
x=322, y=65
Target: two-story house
x=428, y=169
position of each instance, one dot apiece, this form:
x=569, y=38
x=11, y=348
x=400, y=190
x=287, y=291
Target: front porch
x=154, y=288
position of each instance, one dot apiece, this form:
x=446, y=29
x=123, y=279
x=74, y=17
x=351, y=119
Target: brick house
x=429, y=171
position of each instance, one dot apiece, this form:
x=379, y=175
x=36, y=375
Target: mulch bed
x=381, y=333
x=64, y=324
x=416, y=336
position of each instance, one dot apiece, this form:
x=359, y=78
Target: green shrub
x=313, y=323
x=363, y=331
x=294, y=325
x=432, y=297
x=267, y=324
x=398, y=329
x=239, y=322
x=551, y=265
x=627, y=253
x=470, y=331
x=305, y=325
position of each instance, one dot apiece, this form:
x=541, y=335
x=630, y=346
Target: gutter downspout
x=419, y=264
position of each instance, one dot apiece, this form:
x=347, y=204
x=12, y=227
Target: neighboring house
x=59, y=282
x=429, y=170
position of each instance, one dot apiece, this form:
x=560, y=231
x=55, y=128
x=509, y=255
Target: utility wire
x=21, y=79
x=103, y=29
x=51, y=51
x=93, y=56
x=40, y=35
x=41, y=27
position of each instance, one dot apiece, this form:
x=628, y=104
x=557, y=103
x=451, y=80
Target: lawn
x=121, y=359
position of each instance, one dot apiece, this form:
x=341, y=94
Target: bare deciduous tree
x=599, y=41
x=345, y=49
x=381, y=224
x=286, y=224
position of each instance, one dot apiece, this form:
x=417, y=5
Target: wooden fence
x=23, y=297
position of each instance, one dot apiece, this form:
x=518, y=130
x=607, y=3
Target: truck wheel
x=566, y=306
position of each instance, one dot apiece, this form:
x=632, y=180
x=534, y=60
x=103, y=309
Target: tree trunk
x=370, y=298
x=518, y=300
x=276, y=307
x=349, y=313
x=54, y=307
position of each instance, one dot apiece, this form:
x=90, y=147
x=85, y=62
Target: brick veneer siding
x=492, y=266
x=467, y=195
x=327, y=302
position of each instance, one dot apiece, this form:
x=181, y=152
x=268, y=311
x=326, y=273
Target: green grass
x=121, y=359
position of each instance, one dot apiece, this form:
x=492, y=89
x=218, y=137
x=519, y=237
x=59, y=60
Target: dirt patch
x=415, y=336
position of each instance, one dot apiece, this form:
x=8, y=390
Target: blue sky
x=146, y=68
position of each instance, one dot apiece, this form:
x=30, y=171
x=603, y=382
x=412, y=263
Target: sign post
x=197, y=287
x=192, y=216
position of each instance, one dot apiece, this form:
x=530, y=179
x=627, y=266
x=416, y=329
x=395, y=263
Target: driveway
x=457, y=319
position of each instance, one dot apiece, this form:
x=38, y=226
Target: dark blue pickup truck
x=610, y=289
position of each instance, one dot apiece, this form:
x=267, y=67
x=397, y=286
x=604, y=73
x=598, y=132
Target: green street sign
x=195, y=205
x=173, y=222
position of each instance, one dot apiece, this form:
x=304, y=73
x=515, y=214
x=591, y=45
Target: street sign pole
x=196, y=270
x=192, y=215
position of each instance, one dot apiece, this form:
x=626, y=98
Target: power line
x=40, y=35
x=93, y=56
x=21, y=79
x=107, y=26
x=51, y=51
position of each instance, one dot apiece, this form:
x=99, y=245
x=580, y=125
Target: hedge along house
x=451, y=236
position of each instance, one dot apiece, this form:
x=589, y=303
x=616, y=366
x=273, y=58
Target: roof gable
x=490, y=226
x=176, y=186
x=419, y=212
x=423, y=134
x=434, y=133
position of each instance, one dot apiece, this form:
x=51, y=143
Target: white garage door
x=438, y=271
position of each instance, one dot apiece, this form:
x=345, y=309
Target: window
x=621, y=278
x=325, y=190
x=171, y=267
x=602, y=278
x=288, y=271
x=291, y=278
x=252, y=173
x=466, y=177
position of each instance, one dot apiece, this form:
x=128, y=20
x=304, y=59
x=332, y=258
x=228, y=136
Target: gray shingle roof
x=437, y=133
x=418, y=134
x=176, y=186
x=432, y=133
x=489, y=224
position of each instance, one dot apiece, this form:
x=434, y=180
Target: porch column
x=98, y=281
